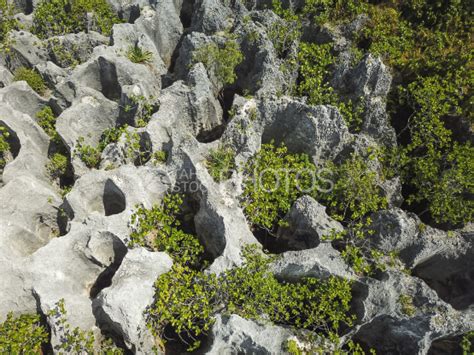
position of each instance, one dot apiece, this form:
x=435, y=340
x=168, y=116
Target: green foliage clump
x=220, y=60
x=467, y=345
x=22, y=335
x=65, y=57
x=143, y=109
x=32, y=78
x=159, y=228
x=221, y=163
x=137, y=54
x=47, y=121
x=285, y=33
x=4, y=146
x=274, y=180
x=7, y=23
x=57, y=165
x=185, y=300
x=91, y=156
x=59, y=17
x=406, y=303
x=355, y=192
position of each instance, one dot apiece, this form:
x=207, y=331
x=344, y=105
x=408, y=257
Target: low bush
x=47, y=121
x=57, y=165
x=220, y=61
x=220, y=163
x=22, y=335
x=187, y=300
x=159, y=229
x=274, y=179
x=32, y=78
x=59, y=17
x=7, y=23
x=4, y=145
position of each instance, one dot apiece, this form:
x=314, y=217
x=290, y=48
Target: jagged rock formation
x=74, y=247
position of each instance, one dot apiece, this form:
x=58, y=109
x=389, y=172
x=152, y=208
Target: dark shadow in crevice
x=113, y=199
x=109, y=80
x=12, y=139
x=186, y=14
x=448, y=345
x=452, y=279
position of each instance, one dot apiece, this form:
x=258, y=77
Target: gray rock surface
x=120, y=307
x=308, y=223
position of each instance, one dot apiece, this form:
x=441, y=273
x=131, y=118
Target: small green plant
x=62, y=56
x=137, y=54
x=57, y=165
x=91, y=156
x=406, y=303
x=159, y=229
x=220, y=163
x=32, y=78
x=59, y=17
x=159, y=157
x=467, y=345
x=7, y=23
x=4, y=145
x=22, y=335
x=143, y=109
x=72, y=339
x=47, y=121
x=221, y=61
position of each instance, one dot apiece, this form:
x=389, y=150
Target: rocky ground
x=74, y=245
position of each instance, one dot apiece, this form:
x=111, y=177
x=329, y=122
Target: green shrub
x=355, y=192
x=57, y=165
x=159, y=157
x=274, y=179
x=32, y=78
x=159, y=228
x=22, y=335
x=4, y=146
x=467, y=345
x=91, y=156
x=220, y=163
x=406, y=303
x=221, y=61
x=47, y=121
x=59, y=17
x=138, y=55
x=185, y=300
x=7, y=23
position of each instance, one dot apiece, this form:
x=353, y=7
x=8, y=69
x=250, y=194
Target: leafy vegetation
x=57, y=165
x=406, y=303
x=7, y=23
x=90, y=156
x=137, y=54
x=274, y=180
x=159, y=229
x=428, y=45
x=59, y=17
x=221, y=61
x=47, y=121
x=4, y=146
x=22, y=335
x=32, y=78
x=467, y=345
x=221, y=163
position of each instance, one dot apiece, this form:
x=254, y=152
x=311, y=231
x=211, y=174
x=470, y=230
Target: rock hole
x=12, y=140
x=186, y=14
x=113, y=199
x=452, y=279
x=109, y=80
x=105, y=278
